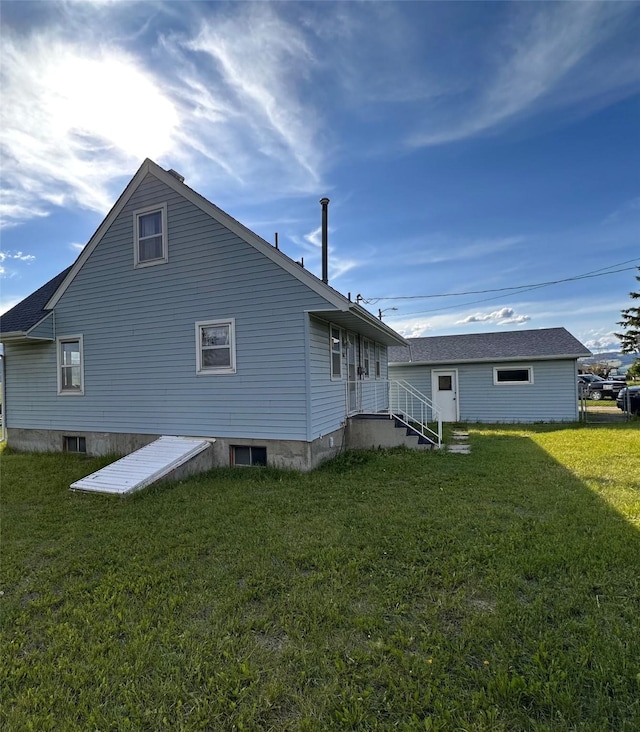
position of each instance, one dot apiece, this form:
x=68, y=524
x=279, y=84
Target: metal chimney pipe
x=324, y=202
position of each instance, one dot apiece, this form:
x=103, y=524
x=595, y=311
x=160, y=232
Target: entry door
x=444, y=391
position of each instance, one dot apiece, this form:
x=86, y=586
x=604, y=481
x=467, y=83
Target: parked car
x=633, y=399
x=595, y=387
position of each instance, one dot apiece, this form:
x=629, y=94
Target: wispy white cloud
x=539, y=60
x=261, y=61
x=413, y=330
x=599, y=341
x=224, y=97
x=12, y=258
x=504, y=316
x=74, y=117
x=17, y=255
x=439, y=248
x=311, y=244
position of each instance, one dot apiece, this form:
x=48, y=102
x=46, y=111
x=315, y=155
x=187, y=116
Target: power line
x=512, y=290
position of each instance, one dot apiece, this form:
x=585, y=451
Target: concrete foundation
x=287, y=454
x=365, y=432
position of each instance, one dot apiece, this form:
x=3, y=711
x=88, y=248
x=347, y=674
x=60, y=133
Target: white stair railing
x=399, y=400
x=413, y=408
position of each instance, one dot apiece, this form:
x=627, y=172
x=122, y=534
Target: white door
x=444, y=392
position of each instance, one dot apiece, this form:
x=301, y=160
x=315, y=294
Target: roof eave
x=13, y=336
x=372, y=321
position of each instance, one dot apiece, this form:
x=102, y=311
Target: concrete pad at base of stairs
x=460, y=449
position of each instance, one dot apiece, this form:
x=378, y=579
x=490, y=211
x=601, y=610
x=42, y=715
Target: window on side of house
x=516, y=375
x=366, y=357
x=74, y=443
x=216, y=347
x=150, y=236
x=378, y=362
x=248, y=455
x=70, y=365
x=336, y=352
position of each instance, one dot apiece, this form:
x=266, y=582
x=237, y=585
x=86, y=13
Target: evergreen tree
x=630, y=338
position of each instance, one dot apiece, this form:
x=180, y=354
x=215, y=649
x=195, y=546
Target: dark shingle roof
x=31, y=310
x=549, y=343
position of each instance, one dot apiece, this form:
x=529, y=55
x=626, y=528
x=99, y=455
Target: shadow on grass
x=491, y=591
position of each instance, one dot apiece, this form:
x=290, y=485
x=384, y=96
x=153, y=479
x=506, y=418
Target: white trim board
x=142, y=467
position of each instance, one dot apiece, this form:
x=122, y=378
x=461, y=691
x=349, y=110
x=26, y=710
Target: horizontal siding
x=418, y=376
x=44, y=329
x=138, y=327
x=328, y=397
x=551, y=398
x=328, y=402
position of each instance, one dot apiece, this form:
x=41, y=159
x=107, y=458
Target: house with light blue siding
x=178, y=320
x=509, y=376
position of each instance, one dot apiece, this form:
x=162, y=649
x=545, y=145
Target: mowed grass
x=385, y=591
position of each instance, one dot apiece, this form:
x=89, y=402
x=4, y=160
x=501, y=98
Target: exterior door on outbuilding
x=444, y=393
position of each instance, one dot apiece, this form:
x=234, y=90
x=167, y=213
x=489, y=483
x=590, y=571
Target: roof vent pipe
x=324, y=202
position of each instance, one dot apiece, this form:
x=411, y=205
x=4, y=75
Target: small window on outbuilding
x=518, y=375
x=74, y=443
x=248, y=455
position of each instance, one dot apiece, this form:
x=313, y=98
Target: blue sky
x=465, y=147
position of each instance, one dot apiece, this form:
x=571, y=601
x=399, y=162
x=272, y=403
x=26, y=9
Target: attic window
x=150, y=236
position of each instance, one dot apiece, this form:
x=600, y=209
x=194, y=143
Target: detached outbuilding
x=512, y=376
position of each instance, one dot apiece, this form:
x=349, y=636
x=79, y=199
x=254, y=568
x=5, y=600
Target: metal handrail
x=399, y=400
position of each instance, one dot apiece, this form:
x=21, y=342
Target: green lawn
x=386, y=591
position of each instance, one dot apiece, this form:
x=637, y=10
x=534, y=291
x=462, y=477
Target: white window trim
x=231, y=369
x=69, y=339
x=331, y=352
x=512, y=368
x=136, y=248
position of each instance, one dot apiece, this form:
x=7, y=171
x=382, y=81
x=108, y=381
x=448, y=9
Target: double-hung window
x=150, y=236
x=216, y=347
x=336, y=352
x=70, y=365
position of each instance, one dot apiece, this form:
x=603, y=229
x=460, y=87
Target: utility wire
x=471, y=302
x=512, y=290
x=521, y=289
